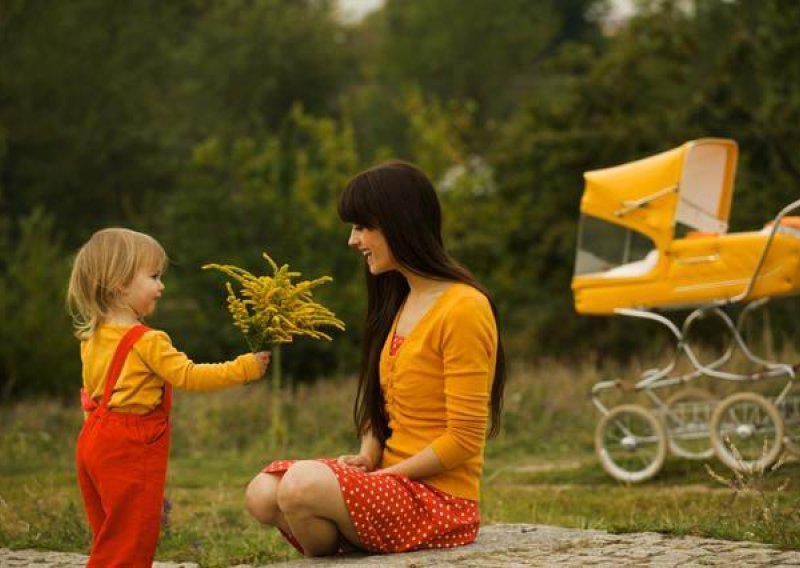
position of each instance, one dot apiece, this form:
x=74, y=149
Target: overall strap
x=166, y=400
x=124, y=347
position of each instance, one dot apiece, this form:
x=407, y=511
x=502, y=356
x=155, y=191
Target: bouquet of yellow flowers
x=270, y=310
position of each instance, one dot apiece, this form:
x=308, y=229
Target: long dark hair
x=399, y=199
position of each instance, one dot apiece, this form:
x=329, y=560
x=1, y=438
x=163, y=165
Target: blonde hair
x=103, y=268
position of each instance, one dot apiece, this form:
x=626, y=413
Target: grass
x=682, y=500
x=541, y=469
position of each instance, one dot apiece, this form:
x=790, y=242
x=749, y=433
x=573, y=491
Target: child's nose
x=352, y=240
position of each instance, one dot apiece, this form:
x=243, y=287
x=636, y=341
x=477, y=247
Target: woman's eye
x=358, y=227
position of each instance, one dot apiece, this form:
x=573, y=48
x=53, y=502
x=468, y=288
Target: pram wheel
x=631, y=443
x=792, y=443
x=747, y=432
x=686, y=418
x=790, y=409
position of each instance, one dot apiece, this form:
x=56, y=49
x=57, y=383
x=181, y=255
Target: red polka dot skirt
x=392, y=513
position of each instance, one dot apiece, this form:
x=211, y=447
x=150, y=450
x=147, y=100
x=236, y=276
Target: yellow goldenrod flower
x=273, y=309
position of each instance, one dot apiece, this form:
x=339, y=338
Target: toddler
x=128, y=373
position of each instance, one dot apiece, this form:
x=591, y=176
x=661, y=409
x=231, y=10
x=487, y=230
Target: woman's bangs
x=354, y=206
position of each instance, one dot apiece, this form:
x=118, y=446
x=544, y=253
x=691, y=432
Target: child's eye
x=358, y=227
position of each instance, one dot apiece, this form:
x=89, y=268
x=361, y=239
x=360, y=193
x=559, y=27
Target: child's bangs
x=151, y=255
x=354, y=206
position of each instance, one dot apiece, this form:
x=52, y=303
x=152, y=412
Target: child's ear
x=117, y=294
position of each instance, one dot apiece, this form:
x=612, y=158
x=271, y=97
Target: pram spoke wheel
x=790, y=410
x=686, y=418
x=631, y=443
x=747, y=432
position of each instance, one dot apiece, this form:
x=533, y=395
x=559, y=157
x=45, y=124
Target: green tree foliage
x=490, y=55
x=487, y=52
x=227, y=128
x=104, y=101
x=38, y=353
x=243, y=64
x=82, y=84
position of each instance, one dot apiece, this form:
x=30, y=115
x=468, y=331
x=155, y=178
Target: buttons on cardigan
x=388, y=394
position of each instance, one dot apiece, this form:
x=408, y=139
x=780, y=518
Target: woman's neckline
x=431, y=309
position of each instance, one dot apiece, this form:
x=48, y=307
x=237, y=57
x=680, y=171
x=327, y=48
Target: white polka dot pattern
x=392, y=513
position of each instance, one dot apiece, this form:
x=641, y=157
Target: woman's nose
x=352, y=240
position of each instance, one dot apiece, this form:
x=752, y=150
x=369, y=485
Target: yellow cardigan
x=152, y=361
x=436, y=388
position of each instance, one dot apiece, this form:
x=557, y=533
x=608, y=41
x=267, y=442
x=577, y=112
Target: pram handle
x=775, y=224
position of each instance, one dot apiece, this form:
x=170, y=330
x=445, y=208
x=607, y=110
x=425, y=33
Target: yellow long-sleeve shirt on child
x=152, y=362
x=437, y=386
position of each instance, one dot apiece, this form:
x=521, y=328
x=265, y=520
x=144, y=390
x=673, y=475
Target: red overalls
x=122, y=467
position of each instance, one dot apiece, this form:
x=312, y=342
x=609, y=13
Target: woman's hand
x=360, y=461
x=262, y=358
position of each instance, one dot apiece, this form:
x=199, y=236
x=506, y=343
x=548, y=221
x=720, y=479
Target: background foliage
x=227, y=128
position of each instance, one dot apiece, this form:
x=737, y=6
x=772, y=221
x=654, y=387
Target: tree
x=82, y=83
x=38, y=352
x=103, y=102
x=486, y=52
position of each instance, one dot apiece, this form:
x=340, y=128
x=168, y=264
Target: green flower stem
x=276, y=423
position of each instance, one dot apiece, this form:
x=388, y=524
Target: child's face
x=143, y=292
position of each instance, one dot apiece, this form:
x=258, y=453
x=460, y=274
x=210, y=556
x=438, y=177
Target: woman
x=431, y=381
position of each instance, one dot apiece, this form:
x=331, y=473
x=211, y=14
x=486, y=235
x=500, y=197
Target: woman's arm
x=469, y=346
x=369, y=456
x=371, y=448
x=419, y=466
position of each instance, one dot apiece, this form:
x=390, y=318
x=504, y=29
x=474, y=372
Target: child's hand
x=262, y=358
x=360, y=461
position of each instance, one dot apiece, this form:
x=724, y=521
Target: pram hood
x=691, y=185
x=654, y=235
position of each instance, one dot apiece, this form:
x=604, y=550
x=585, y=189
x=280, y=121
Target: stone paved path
x=511, y=546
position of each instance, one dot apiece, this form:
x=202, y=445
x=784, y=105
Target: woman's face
x=373, y=246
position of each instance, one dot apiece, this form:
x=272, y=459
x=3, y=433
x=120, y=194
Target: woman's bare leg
x=313, y=506
x=261, y=500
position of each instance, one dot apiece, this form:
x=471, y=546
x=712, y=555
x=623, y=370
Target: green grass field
x=541, y=469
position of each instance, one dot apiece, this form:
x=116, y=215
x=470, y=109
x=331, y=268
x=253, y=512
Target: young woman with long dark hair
x=430, y=386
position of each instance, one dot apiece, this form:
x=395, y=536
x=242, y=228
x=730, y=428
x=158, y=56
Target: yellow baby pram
x=653, y=237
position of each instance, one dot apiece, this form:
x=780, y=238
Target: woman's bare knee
x=301, y=487
x=261, y=499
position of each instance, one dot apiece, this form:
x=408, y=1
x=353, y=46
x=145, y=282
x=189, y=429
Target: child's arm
x=173, y=366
